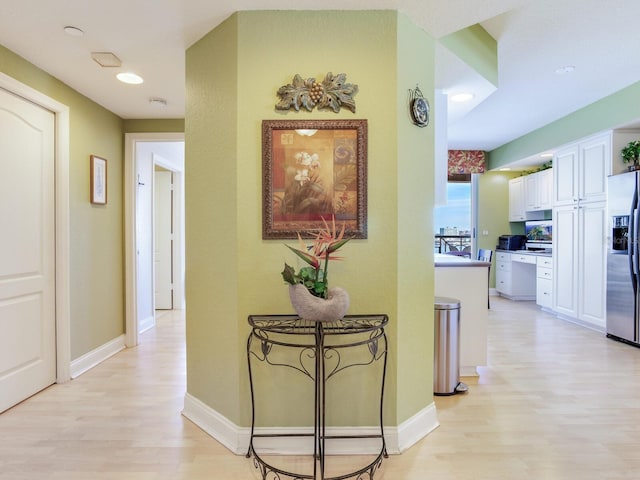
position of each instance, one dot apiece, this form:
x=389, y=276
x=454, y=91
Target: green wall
x=493, y=212
x=96, y=232
x=608, y=113
x=214, y=320
x=477, y=48
x=153, y=125
x=414, y=189
x=233, y=74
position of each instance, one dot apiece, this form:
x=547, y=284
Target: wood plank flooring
x=557, y=401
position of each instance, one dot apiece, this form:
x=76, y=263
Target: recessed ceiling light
x=461, y=97
x=565, y=69
x=158, y=102
x=131, y=78
x=546, y=155
x=73, y=31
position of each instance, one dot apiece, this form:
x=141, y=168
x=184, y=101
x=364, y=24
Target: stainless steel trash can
x=446, y=364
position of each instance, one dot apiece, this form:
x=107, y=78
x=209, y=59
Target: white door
x=565, y=175
x=566, y=242
x=163, y=239
x=27, y=249
x=592, y=285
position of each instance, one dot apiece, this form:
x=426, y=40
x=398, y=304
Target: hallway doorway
x=144, y=154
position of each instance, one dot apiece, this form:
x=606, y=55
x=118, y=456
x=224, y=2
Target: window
x=454, y=223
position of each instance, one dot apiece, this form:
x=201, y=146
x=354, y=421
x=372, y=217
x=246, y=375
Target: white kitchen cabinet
x=579, y=262
x=531, y=201
x=539, y=191
x=544, y=282
x=581, y=170
x=517, y=199
x=516, y=275
x=580, y=229
x=545, y=189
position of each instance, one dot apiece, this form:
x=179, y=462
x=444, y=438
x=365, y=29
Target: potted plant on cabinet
x=630, y=154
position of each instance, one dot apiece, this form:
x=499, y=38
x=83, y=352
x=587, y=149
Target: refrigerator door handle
x=632, y=243
x=636, y=251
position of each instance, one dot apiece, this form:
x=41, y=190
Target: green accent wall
x=493, y=212
x=414, y=189
x=233, y=74
x=215, y=321
x=608, y=113
x=96, y=232
x=154, y=125
x=474, y=46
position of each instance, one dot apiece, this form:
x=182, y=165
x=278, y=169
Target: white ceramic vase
x=317, y=309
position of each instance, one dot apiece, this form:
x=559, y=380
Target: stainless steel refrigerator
x=623, y=258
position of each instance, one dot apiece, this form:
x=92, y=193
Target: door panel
x=593, y=232
x=27, y=249
x=565, y=258
x=163, y=258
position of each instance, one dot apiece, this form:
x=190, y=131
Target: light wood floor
x=557, y=401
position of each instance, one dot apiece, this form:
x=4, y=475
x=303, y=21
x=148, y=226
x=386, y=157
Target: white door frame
x=130, y=190
x=62, y=263
x=474, y=215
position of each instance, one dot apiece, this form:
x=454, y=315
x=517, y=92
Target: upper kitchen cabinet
x=581, y=171
x=517, y=199
x=539, y=191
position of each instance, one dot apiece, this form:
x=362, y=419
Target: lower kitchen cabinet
x=516, y=275
x=579, y=266
x=544, y=282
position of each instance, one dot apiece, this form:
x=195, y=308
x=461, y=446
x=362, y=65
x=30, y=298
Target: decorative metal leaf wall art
x=333, y=92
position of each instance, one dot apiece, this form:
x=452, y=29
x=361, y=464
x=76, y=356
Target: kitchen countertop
x=444, y=260
x=538, y=253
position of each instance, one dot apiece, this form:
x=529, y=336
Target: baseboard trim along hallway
x=236, y=439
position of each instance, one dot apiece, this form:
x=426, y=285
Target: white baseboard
x=409, y=432
x=219, y=427
x=469, y=371
x=146, y=323
x=582, y=323
x=96, y=356
x=236, y=439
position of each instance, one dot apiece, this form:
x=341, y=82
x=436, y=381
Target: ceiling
x=535, y=38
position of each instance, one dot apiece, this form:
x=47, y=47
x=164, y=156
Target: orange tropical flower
x=327, y=241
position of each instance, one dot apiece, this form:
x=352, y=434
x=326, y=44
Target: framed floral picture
x=98, y=183
x=314, y=170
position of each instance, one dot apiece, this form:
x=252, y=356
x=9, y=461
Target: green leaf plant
x=317, y=255
x=631, y=152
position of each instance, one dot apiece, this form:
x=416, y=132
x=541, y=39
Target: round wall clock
x=419, y=108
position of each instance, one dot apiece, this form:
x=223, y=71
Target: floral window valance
x=466, y=161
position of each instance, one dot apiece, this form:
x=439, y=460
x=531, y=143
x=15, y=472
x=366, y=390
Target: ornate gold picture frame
x=314, y=170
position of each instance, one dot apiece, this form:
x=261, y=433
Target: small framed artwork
x=98, y=180
x=313, y=170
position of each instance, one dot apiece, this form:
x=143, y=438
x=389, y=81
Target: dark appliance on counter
x=623, y=263
x=511, y=242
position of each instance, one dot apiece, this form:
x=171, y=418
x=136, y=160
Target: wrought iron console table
x=319, y=347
